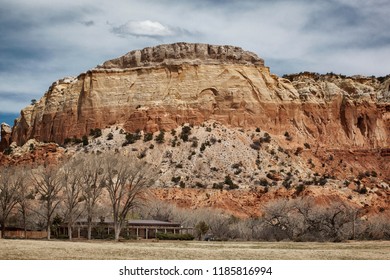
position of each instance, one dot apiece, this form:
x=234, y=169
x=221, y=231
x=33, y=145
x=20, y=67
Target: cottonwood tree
x=25, y=198
x=92, y=182
x=47, y=183
x=71, y=184
x=126, y=180
x=277, y=217
x=324, y=222
x=10, y=185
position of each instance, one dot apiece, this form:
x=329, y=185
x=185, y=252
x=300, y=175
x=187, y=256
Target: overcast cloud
x=44, y=40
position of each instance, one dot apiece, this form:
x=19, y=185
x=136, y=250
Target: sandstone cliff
x=5, y=140
x=165, y=86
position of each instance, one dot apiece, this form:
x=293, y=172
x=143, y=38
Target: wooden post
x=137, y=233
x=146, y=233
x=78, y=232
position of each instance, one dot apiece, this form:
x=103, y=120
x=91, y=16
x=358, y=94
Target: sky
x=42, y=41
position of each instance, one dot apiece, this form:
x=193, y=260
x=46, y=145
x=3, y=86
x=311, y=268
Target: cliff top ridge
x=180, y=53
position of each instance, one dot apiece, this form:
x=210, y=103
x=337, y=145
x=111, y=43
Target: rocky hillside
x=167, y=85
x=223, y=131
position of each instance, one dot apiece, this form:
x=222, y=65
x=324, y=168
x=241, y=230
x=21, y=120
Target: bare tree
x=324, y=222
x=71, y=184
x=47, y=182
x=92, y=186
x=26, y=195
x=159, y=210
x=278, y=220
x=125, y=180
x=10, y=185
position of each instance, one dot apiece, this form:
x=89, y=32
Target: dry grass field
x=149, y=250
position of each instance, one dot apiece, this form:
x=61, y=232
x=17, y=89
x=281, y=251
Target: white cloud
x=146, y=28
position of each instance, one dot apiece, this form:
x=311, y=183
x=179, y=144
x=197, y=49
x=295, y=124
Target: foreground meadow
x=193, y=250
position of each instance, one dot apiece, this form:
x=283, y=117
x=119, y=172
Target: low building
x=133, y=229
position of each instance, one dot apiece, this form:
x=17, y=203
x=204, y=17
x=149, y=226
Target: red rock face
x=165, y=86
x=5, y=136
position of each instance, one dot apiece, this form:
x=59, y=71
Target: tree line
x=112, y=183
x=75, y=186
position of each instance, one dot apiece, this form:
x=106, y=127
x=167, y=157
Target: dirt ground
x=193, y=250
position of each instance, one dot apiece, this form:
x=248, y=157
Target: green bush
x=97, y=132
x=185, y=132
x=148, y=137
x=173, y=236
x=160, y=138
x=85, y=140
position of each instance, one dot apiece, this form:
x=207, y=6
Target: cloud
x=88, y=23
x=145, y=28
x=44, y=40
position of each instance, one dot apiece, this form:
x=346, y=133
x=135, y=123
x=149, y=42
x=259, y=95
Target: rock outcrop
x=6, y=132
x=165, y=86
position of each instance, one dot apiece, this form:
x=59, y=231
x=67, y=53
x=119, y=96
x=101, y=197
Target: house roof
x=151, y=223
x=136, y=222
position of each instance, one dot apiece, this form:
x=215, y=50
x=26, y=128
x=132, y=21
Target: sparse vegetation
x=185, y=133
x=95, y=133
x=148, y=137
x=160, y=137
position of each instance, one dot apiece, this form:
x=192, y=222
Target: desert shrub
x=173, y=236
x=182, y=184
x=200, y=185
x=299, y=189
x=266, y=138
x=7, y=151
x=256, y=145
x=131, y=138
x=67, y=141
x=263, y=182
x=322, y=181
x=95, y=133
x=287, y=183
x=298, y=151
x=148, y=137
x=362, y=190
x=288, y=136
x=185, y=132
x=228, y=181
x=218, y=186
x=194, y=141
x=176, y=180
x=85, y=140
x=110, y=136
x=307, y=145
x=160, y=137
x=361, y=175
x=142, y=154
x=257, y=129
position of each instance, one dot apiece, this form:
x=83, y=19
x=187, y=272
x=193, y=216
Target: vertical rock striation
x=167, y=85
